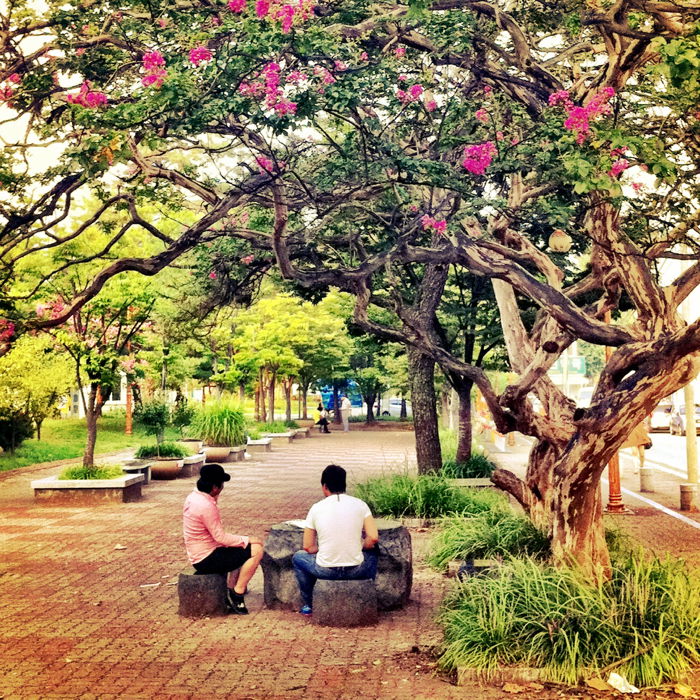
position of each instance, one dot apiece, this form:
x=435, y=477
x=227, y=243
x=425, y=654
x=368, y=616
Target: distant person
x=322, y=418
x=345, y=411
x=210, y=549
x=340, y=539
x=639, y=441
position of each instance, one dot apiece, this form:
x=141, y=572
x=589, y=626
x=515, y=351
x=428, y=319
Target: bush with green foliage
x=163, y=449
x=291, y=424
x=275, y=426
x=98, y=471
x=15, y=428
x=478, y=466
x=425, y=496
x=644, y=623
x=491, y=533
x=154, y=417
x=182, y=415
x=220, y=424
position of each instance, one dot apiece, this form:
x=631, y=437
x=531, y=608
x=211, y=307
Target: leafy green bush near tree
x=154, y=416
x=424, y=496
x=477, y=467
x=15, y=428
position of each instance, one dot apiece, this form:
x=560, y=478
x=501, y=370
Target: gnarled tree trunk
x=421, y=373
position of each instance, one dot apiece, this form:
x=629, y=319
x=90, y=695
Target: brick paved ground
x=82, y=619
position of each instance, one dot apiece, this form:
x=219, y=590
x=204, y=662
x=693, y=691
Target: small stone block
x=345, y=603
x=201, y=595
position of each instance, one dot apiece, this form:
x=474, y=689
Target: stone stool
x=345, y=603
x=201, y=595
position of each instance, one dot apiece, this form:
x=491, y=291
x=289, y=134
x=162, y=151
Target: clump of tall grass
x=219, y=423
x=425, y=496
x=478, y=466
x=644, y=623
x=492, y=533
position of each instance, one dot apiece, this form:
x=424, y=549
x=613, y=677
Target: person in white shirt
x=340, y=538
x=345, y=411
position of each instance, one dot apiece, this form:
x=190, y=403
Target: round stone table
x=394, y=571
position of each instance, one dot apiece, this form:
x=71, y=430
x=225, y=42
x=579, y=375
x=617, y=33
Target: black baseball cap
x=214, y=473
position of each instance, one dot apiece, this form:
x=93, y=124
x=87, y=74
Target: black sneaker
x=236, y=603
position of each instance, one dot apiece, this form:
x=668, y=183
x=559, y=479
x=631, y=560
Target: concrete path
x=85, y=619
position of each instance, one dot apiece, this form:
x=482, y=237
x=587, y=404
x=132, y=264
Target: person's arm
x=212, y=521
x=371, y=533
x=310, y=543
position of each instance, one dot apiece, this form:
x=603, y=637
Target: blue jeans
x=308, y=571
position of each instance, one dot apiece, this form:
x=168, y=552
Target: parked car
x=660, y=418
x=678, y=420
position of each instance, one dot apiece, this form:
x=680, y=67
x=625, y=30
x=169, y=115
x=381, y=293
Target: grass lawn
x=65, y=438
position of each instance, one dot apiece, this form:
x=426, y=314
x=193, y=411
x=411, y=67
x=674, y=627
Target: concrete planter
x=76, y=492
x=216, y=453
x=164, y=468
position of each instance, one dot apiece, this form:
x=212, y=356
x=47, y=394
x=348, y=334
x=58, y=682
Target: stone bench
x=473, y=483
x=345, y=603
x=192, y=464
x=201, y=595
x=237, y=454
x=280, y=437
x=394, y=570
x=138, y=467
x=262, y=445
x=302, y=432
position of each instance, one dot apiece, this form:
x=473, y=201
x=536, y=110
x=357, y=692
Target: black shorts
x=222, y=560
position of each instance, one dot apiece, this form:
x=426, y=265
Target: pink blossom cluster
x=266, y=165
x=154, y=65
x=478, y=157
x=53, y=309
x=236, y=6
x=411, y=95
x=212, y=275
x=270, y=87
x=247, y=259
x=437, y=225
x=618, y=167
x=200, y=54
x=327, y=78
x=287, y=14
x=579, y=118
x=7, y=330
x=482, y=115
x=7, y=92
x=87, y=98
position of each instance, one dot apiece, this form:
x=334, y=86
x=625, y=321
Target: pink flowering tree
x=384, y=156
x=101, y=338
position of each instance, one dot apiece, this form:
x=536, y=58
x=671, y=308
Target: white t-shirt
x=338, y=522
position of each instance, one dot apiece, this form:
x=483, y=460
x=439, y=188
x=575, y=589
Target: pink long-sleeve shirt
x=202, y=528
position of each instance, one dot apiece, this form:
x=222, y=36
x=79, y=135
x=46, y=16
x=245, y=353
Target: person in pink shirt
x=212, y=550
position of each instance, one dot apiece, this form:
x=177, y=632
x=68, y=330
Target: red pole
x=129, y=426
x=615, y=504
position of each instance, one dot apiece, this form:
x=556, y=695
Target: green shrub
x=183, y=415
x=253, y=432
x=291, y=424
x=14, y=430
x=644, y=623
x=164, y=449
x=478, y=466
x=154, y=417
x=423, y=496
x=220, y=424
x=97, y=471
x=275, y=426
x=493, y=533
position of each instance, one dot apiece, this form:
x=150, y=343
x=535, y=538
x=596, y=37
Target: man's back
x=338, y=521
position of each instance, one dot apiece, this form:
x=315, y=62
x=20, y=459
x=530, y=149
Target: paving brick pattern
x=85, y=619
x=82, y=619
